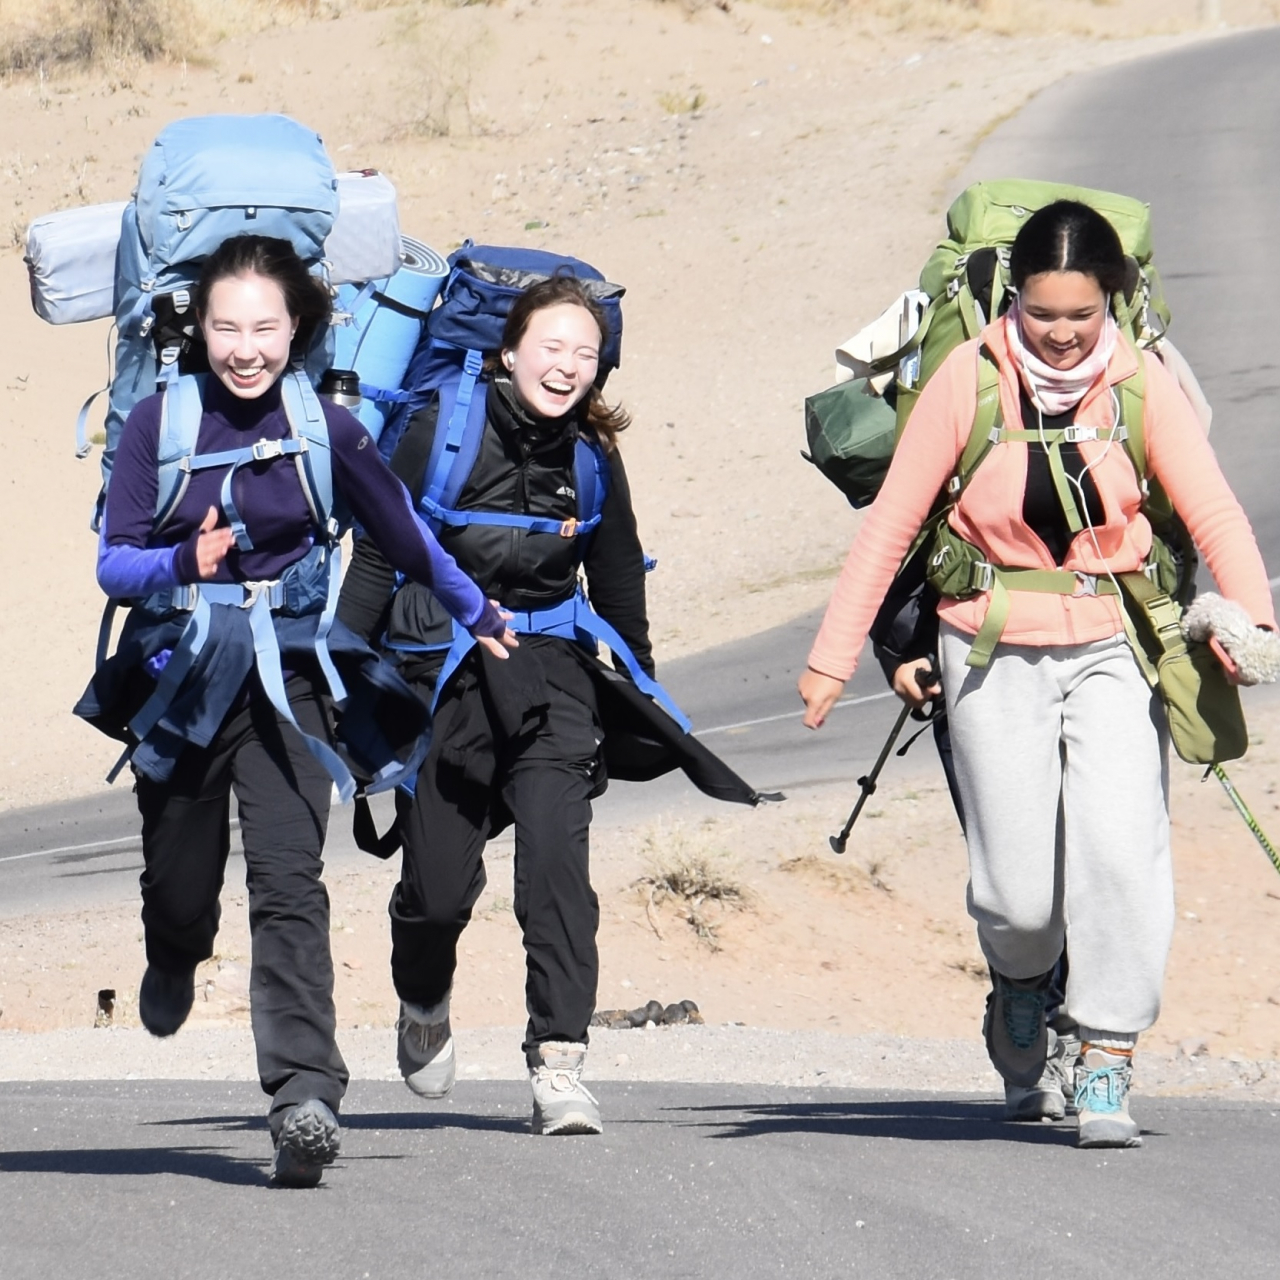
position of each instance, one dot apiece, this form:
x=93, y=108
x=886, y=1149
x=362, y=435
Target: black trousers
x=282, y=795
x=543, y=783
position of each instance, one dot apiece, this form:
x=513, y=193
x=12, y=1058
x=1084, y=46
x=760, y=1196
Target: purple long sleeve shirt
x=135, y=560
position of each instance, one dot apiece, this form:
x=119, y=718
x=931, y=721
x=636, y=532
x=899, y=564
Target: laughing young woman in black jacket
x=529, y=740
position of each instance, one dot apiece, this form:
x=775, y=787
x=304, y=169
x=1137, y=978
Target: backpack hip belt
x=573, y=619
x=957, y=570
x=260, y=600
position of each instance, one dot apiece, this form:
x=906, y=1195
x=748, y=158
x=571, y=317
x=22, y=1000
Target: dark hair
x=606, y=421
x=307, y=300
x=1068, y=236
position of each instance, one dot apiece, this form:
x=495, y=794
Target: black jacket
x=523, y=466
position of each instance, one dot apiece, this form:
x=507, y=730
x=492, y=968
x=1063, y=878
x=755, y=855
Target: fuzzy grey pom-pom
x=1254, y=651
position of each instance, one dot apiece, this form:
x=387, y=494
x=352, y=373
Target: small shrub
x=699, y=883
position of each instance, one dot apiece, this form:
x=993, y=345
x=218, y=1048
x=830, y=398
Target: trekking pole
x=1243, y=810
x=868, y=780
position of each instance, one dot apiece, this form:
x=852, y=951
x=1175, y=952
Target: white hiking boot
x=425, y=1048
x=1102, y=1099
x=561, y=1104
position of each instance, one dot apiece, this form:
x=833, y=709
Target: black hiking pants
x=543, y=784
x=282, y=794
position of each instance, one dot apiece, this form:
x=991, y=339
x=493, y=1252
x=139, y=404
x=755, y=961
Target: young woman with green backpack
x=1060, y=743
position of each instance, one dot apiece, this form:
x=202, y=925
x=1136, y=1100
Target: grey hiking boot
x=425, y=1048
x=1014, y=1028
x=165, y=999
x=1046, y=1099
x=1102, y=1099
x=560, y=1102
x=309, y=1139
x=1064, y=1056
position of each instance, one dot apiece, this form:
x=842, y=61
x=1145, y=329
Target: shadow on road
x=209, y=1164
x=924, y=1121
x=418, y=1121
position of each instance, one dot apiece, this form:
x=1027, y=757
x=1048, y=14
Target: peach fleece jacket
x=989, y=513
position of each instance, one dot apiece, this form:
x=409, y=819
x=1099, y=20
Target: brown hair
x=604, y=421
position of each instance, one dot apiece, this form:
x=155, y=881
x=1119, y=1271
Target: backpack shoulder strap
x=1132, y=393
x=591, y=478
x=459, y=429
x=181, y=410
x=986, y=421
x=307, y=422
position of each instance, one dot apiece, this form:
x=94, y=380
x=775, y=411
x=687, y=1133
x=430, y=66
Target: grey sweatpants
x=1061, y=758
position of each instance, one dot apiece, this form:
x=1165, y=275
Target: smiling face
x=555, y=362
x=1063, y=313
x=247, y=329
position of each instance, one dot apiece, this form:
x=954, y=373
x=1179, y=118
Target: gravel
x=703, y=1054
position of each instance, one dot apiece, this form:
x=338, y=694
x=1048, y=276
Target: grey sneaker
x=560, y=1102
x=1046, y=1099
x=1014, y=1028
x=425, y=1048
x=1102, y=1099
x=309, y=1139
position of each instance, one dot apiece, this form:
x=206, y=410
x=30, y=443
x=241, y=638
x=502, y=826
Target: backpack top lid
x=271, y=169
x=484, y=281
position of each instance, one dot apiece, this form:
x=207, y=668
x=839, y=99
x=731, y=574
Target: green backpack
x=853, y=427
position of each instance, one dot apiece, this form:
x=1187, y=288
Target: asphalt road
x=165, y=1179
x=169, y=1180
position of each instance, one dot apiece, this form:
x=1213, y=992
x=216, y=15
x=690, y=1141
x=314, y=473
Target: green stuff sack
x=851, y=432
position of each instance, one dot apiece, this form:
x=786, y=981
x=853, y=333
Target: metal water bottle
x=342, y=386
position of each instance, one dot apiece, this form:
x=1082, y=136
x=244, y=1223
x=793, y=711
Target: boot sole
x=574, y=1123
x=309, y=1140
x=1109, y=1135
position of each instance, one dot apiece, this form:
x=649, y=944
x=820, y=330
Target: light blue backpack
x=205, y=180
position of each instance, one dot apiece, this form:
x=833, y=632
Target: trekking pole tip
x=838, y=843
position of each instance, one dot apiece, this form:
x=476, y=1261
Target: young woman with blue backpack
x=1059, y=741
x=514, y=460
x=227, y=498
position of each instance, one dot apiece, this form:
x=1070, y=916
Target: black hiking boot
x=165, y=999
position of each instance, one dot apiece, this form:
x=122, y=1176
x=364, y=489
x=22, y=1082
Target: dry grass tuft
x=97, y=32
x=699, y=883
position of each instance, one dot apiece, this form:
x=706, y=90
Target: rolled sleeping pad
x=387, y=322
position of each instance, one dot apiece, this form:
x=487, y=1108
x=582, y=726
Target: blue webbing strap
x=456, y=430
x=534, y=524
x=260, y=452
x=267, y=649
x=574, y=620
x=184, y=654
x=337, y=689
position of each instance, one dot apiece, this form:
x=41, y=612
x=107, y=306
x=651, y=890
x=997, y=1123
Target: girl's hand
x=909, y=689
x=212, y=545
x=820, y=693
x=499, y=645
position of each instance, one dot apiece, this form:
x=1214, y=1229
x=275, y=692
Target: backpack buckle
x=569, y=529
x=1074, y=434
x=1086, y=584
x=265, y=449
x=982, y=575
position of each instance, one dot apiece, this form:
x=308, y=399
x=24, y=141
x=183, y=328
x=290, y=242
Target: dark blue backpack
x=467, y=323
